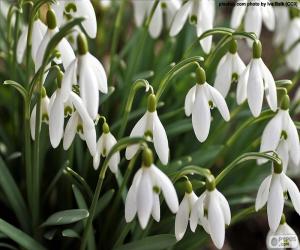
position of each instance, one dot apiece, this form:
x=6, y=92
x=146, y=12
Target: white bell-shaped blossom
x=284, y=230
x=282, y=22
x=39, y=30
x=150, y=124
x=80, y=122
x=201, y=13
x=292, y=36
x=212, y=211
x=45, y=107
x=66, y=53
x=143, y=195
x=254, y=16
x=104, y=145
x=229, y=69
x=142, y=10
x=271, y=191
x=77, y=8
x=183, y=214
x=254, y=82
x=281, y=135
x=91, y=77
x=199, y=101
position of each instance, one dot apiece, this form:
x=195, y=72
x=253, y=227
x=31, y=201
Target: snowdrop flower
x=21, y=44
x=64, y=48
x=80, y=122
x=45, y=103
x=91, y=74
x=143, y=8
x=184, y=210
x=293, y=35
x=198, y=102
x=281, y=135
x=282, y=21
x=229, y=69
x=201, y=13
x=212, y=211
x=150, y=124
x=143, y=195
x=271, y=191
x=104, y=145
x=254, y=16
x=254, y=81
x=284, y=230
x=67, y=9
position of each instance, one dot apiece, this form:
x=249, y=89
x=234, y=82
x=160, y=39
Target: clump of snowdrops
x=145, y=124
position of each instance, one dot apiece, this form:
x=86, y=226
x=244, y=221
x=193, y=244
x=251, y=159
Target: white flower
x=293, y=35
x=104, y=145
x=80, y=122
x=143, y=8
x=91, y=78
x=282, y=18
x=150, y=124
x=281, y=135
x=254, y=16
x=64, y=48
x=229, y=69
x=39, y=30
x=183, y=214
x=271, y=192
x=198, y=102
x=45, y=106
x=254, y=81
x=77, y=8
x=284, y=230
x=212, y=211
x=21, y=45
x=201, y=13
x=143, y=195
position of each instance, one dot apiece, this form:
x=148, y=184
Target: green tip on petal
x=147, y=157
x=210, y=183
x=105, y=128
x=282, y=220
x=44, y=93
x=82, y=44
x=51, y=19
x=233, y=46
x=257, y=49
x=60, y=76
x=151, y=103
x=285, y=102
x=188, y=186
x=277, y=167
x=200, y=75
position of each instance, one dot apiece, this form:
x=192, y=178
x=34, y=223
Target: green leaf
x=66, y=217
x=13, y=195
x=70, y=233
x=17, y=87
x=157, y=242
x=104, y=201
x=20, y=237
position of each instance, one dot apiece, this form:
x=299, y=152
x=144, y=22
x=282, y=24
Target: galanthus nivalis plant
x=88, y=160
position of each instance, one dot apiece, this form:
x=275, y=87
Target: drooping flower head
x=201, y=13
x=255, y=81
x=212, y=212
x=143, y=195
x=229, y=69
x=198, y=102
x=150, y=125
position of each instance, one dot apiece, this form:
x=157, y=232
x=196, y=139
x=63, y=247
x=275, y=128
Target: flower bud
x=105, y=128
x=147, y=157
x=82, y=44
x=200, y=75
x=51, y=19
x=151, y=103
x=285, y=102
x=256, y=49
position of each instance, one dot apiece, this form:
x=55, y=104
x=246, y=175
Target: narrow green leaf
x=104, y=201
x=157, y=242
x=17, y=86
x=49, y=235
x=20, y=237
x=13, y=195
x=66, y=217
x=7, y=246
x=70, y=233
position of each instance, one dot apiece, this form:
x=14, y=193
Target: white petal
x=90, y=137
x=189, y=101
x=182, y=218
x=156, y=23
x=268, y=17
x=275, y=202
x=68, y=80
x=156, y=207
x=66, y=51
x=167, y=188
x=38, y=31
x=225, y=207
x=140, y=10
x=283, y=153
x=237, y=14
x=238, y=65
x=21, y=45
x=293, y=138
x=97, y=156
x=253, y=20
x=115, y=159
x=219, y=101
x=216, y=221
x=196, y=212
x=180, y=18
x=138, y=130
x=160, y=140
x=32, y=122
x=241, y=92
x=144, y=199
x=293, y=192
x=255, y=90
x=201, y=115
x=263, y=193
x=70, y=130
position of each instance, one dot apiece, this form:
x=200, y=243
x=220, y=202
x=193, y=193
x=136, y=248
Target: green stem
x=242, y=215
